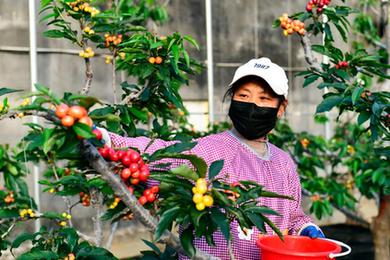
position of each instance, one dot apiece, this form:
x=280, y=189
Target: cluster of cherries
x=342, y=65
x=84, y=6
x=132, y=170
x=200, y=197
x=157, y=60
x=85, y=199
x=9, y=198
x=73, y=114
x=112, y=39
x=70, y=115
x=319, y=4
x=290, y=26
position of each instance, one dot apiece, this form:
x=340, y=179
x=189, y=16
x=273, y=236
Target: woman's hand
x=312, y=231
x=105, y=136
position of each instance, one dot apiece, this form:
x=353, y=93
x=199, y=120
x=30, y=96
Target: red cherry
x=133, y=167
x=126, y=173
x=154, y=189
x=62, y=110
x=121, y=153
x=103, y=152
x=131, y=189
x=134, y=181
x=81, y=194
x=144, y=175
x=151, y=197
x=144, y=167
x=337, y=66
x=147, y=192
x=97, y=134
x=142, y=200
x=129, y=152
x=135, y=175
x=319, y=10
x=135, y=157
x=344, y=63
x=309, y=7
x=126, y=160
x=141, y=163
x=77, y=112
x=114, y=156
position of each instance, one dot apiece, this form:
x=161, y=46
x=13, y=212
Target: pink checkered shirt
x=277, y=173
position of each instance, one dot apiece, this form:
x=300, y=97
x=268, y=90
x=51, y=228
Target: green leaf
x=4, y=91
x=376, y=175
x=44, y=3
x=84, y=101
x=92, y=252
x=273, y=226
x=48, y=144
x=310, y=79
x=187, y=238
x=165, y=221
x=9, y=213
x=191, y=40
x=186, y=57
x=47, y=92
x=52, y=215
x=54, y=34
x=270, y=194
x=83, y=130
x=328, y=103
x=257, y=220
x=220, y=196
x=221, y=221
x=199, y=163
x=177, y=148
x=215, y=168
x=142, y=115
x=22, y=238
x=186, y=172
x=196, y=216
x=38, y=255
x=152, y=246
x=71, y=237
x=12, y=169
x=363, y=117
x=262, y=210
x=156, y=45
x=356, y=94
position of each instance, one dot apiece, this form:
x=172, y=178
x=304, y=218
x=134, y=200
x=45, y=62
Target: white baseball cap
x=264, y=68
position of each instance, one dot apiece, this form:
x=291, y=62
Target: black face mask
x=252, y=121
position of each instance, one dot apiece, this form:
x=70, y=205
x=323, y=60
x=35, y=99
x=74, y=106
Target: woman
x=258, y=98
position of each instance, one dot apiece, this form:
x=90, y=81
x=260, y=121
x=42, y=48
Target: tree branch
x=88, y=75
x=66, y=199
x=143, y=215
x=97, y=202
x=86, y=237
x=45, y=114
x=309, y=56
x=111, y=236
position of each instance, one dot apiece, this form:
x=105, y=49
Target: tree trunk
x=381, y=230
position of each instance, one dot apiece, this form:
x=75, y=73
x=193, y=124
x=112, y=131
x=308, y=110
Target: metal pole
x=210, y=69
x=33, y=76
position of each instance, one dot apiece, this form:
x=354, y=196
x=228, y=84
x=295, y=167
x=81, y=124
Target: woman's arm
x=141, y=143
x=298, y=219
